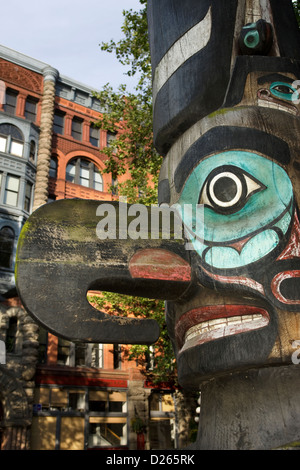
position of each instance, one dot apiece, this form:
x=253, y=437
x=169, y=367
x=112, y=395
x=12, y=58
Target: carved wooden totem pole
x=226, y=120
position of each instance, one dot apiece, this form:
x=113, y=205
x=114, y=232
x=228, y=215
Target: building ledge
x=80, y=376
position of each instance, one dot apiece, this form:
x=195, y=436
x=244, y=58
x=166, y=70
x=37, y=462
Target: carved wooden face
x=238, y=178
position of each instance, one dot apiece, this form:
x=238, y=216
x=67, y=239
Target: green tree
x=157, y=361
x=130, y=115
x=296, y=4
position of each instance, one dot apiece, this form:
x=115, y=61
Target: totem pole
x=226, y=120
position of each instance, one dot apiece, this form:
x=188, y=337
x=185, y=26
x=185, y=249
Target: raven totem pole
x=226, y=103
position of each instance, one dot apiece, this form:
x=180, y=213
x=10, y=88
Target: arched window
x=7, y=238
x=83, y=172
x=11, y=140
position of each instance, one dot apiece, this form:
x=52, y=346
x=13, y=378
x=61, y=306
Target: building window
x=12, y=190
x=117, y=356
x=70, y=409
x=32, y=151
x=108, y=430
x=114, y=187
x=85, y=173
x=163, y=433
x=30, y=108
x=110, y=138
x=80, y=354
x=97, y=356
x=10, y=101
x=53, y=167
x=63, y=351
x=59, y=122
x=94, y=135
x=7, y=238
x=28, y=194
x=11, y=140
x=77, y=128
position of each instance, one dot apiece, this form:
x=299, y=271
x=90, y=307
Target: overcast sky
x=66, y=35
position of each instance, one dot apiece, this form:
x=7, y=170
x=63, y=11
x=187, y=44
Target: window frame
x=53, y=167
x=59, y=122
x=12, y=136
x=31, y=114
x=10, y=106
x=94, y=135
x=74, y=173
x=28, y=196
x=9, y=191
x=9, y=253
x=76, y=130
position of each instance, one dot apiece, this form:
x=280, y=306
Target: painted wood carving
x=226, y=118
x=226, y=97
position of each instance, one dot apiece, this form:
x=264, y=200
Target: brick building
x=55, y=394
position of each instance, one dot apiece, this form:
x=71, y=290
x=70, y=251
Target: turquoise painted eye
x=228, y=188
x=241, y=194
x=284, y=91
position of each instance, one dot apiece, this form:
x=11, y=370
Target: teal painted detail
x=284, y=91
x=256, y=248
x=267, y=205
x=249, y=26
x=252, y=39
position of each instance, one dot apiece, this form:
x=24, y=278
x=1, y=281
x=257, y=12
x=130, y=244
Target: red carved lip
x=159, y=264
x=205, y=324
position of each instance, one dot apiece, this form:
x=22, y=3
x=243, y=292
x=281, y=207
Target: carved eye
x=283, y=91
x=228, y=188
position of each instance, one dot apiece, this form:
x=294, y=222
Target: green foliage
x=296, y=4
x=130, y=115
x=157, y=361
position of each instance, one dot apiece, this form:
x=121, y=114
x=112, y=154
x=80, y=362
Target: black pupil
x=225, y=189
x=284, y=89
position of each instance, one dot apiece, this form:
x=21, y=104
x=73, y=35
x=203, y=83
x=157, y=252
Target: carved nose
x=263, y=93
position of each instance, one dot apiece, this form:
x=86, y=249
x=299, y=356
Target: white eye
x=225, y=189
x=228, y=188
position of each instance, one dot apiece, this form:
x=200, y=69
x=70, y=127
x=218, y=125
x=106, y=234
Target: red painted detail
x=238, y=246
x=275, y=286
x=213, y=312
x=81, y=381
x=292, y=249
x=243, y=281
x=159, y=264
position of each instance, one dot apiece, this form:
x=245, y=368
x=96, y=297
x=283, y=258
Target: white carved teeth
x=269, y=104
x=221, y=323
